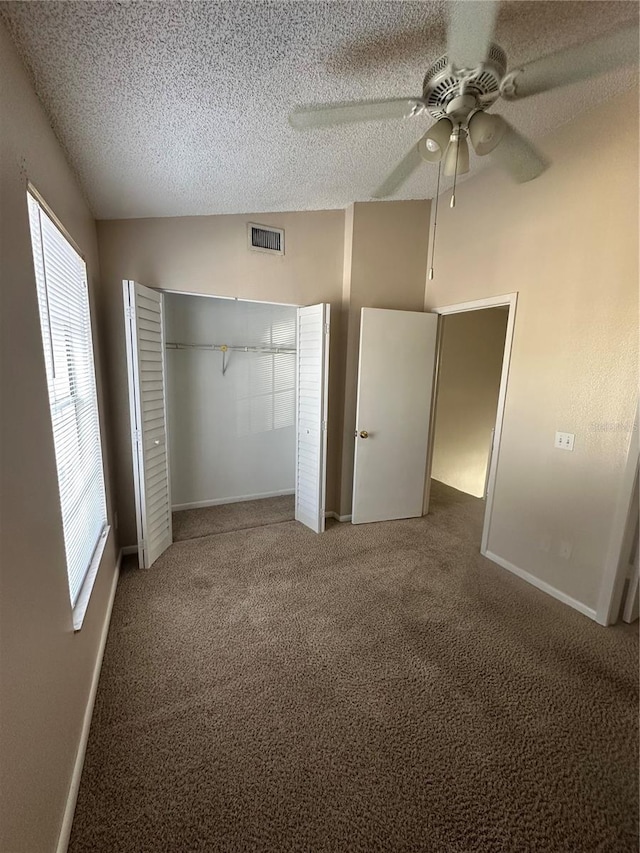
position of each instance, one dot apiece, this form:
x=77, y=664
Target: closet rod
x=230, y=348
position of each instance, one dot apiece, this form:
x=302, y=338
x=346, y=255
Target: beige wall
x=385, y=267
x=468, y=386
x=208, y=254
x=45, y=669
x=568, y=244
x=373, y=254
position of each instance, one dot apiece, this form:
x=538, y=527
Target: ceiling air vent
x=263, y=238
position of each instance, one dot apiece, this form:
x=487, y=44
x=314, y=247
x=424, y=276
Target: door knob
x=364, y=434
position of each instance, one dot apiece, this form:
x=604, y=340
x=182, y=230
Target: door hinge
x=142, y=544
x=324, y=426
x=137, y=436
x=128, y=312
x=326, y=328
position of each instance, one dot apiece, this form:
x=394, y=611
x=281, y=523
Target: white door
x=632, y=603
x=147, y=404
x=393, y=415
x=312, y=381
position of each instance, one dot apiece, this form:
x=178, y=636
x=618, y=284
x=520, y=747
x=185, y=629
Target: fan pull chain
x=435, y=222
x=455, y=175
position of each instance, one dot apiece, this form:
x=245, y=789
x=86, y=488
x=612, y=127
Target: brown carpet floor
x=193, y=523
x=378, y=688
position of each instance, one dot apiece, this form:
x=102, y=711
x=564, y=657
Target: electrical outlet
x=564, y=440
x=565, y=549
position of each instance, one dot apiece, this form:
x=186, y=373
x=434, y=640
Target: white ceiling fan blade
x=405, y=168
x=325, y=115
x=471, y=25
x=577, y=63
x=517, y=156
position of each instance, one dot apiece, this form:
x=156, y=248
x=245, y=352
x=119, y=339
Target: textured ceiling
x=181, y=108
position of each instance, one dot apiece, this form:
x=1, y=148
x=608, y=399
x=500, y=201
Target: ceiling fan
x=461, y=85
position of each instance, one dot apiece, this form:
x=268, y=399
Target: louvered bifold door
x=147, y=403
x=311, y=415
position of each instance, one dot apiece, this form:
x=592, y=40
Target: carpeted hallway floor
x=378, y=688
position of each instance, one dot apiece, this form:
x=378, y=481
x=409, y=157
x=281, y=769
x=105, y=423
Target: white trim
x=630, y=609
x=324, y=426
x=43, y=204
x=426, y=499
x=542, y=585
x=80, y=607
x=331, y=514
x=231, y=298
x=510, y=300
x=72, y=796
x=234, y=500
x=477, y=304
x=615, y=567
x=165, y=389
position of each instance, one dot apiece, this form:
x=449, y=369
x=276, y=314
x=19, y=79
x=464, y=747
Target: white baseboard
x=542, y=585
x=234, y=500
x=69, y=811
x=332, y=514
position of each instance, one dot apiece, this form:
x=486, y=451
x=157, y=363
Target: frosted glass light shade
x=461, y=148
x=485, y=131
x=434, y=143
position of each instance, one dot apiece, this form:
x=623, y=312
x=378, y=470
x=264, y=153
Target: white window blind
x=63, y=299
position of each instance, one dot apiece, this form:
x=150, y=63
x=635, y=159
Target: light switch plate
x=564, y=440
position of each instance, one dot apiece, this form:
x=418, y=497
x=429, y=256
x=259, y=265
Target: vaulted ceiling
x=180, y=108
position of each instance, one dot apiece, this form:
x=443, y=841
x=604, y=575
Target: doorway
x=400, y=362
x=471, y=352
x=475, y=340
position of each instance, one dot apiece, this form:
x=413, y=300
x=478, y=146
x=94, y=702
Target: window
x=63, y=299
x=267, y=392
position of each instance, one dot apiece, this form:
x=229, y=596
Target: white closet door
x=312, y=374
x=147, y=404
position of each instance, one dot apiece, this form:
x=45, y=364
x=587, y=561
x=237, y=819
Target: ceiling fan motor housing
x=443, y=82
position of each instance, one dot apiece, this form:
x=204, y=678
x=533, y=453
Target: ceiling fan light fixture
x=456, y=161
x=434, y=143
x=485, y=131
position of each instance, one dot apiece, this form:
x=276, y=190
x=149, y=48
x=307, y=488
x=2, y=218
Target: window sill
x=87, y=587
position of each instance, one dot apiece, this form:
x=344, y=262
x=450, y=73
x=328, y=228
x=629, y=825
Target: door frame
x=623, y=528
x=509, y=300
x=296, y=305
x=228, y=298
x=163, y=290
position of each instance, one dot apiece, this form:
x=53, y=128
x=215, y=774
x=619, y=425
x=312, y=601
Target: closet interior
x=231, y=409
x=228, y=403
